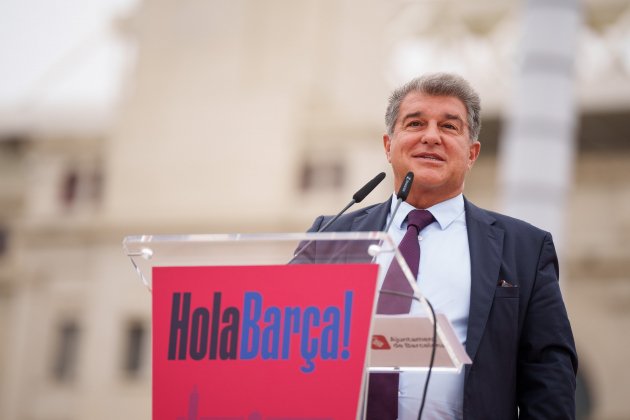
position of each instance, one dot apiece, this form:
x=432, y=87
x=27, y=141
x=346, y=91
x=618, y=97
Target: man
x=495, y=277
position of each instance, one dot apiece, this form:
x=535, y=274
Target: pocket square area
x=505, y=283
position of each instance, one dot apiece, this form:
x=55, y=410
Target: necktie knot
x=419, y=219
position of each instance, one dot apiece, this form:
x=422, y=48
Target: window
x=134, y=350
x=583, y=398
x=81, y=186
x=322, y=174
x=69, y=188
x=4, y=240
x=67, y=350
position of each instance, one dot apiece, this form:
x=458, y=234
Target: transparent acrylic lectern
x=409, y=339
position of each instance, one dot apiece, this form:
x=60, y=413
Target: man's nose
x=431, y=134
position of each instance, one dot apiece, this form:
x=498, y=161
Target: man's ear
x=473, y=153
x=387, y=143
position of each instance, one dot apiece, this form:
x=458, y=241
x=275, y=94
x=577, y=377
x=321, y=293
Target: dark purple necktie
x=383, y=387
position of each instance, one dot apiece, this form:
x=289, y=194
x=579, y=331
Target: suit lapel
x=486, y=246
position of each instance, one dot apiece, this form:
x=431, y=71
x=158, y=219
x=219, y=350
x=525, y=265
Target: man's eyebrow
x=412, y=115
x=419, y=114
x=453, y=117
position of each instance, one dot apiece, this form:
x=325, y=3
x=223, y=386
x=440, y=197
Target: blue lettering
x=330, y=333
x=250, y=338
x=347, y=322
x=290, y=314
x=309, y=347
x=271, y=334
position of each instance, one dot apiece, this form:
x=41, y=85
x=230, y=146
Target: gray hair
x=438, y=84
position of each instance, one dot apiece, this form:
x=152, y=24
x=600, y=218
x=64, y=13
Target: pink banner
x=254, y=343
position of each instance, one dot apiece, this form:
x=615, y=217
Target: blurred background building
x=162, y=116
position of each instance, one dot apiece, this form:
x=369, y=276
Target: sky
x=60, y=55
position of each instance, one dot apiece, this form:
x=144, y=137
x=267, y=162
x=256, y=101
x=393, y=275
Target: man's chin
x=425, y=178
x=428, y=178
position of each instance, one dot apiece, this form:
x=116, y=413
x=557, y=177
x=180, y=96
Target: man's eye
x=414, y=124
x=449, y=126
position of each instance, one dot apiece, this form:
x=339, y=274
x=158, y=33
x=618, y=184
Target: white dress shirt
x=444, y=279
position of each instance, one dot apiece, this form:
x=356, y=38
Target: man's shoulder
x=364, y=219
x=366, y=210
x=508, y=223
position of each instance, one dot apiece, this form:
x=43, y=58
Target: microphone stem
x=391, y=220
x=331, y=221
x=323, y=228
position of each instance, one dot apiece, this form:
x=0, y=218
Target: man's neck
x=424, y=200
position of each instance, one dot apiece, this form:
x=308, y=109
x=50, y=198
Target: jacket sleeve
x=547, y=359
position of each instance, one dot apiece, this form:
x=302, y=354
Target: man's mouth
x=429, y=156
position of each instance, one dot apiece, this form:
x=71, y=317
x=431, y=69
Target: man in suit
x=495, y=277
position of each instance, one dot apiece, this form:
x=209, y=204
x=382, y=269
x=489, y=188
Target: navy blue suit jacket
x=519, y=338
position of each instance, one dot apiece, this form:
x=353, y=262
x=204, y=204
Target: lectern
x=278, y=326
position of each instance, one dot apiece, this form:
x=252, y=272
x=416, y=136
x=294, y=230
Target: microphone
x=403, y=192
x=367, y=188
x=358, y=197
x=402, y=195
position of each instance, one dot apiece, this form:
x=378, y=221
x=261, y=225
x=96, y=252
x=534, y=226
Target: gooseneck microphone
x=402, y=195
x=358, y=197
x=367, y=188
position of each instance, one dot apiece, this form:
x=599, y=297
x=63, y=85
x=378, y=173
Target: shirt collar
x=445, y=212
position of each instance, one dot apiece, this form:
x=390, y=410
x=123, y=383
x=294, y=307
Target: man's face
x=431, y=138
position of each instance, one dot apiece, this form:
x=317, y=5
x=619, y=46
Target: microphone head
x=403, y=192
x=367, y=188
